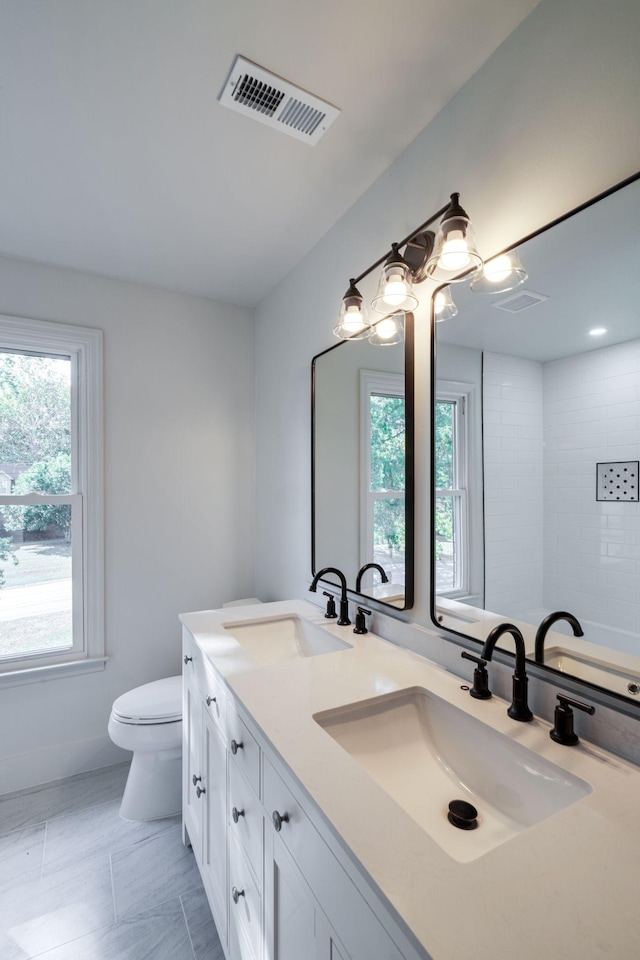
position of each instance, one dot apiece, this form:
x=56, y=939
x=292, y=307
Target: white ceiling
x=116, y=158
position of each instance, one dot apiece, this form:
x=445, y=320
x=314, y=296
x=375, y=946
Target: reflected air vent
x=520, y=301
x=265, y=97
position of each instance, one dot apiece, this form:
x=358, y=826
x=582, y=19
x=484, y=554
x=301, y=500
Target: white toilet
x=148, y=720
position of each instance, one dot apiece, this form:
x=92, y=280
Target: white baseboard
x=56, y=763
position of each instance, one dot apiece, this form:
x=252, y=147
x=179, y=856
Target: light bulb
x=455, y=253
x=439, y=302
x=498, y=269
x=352, y=321
x=395, y=290
x=597, y=331
x=386, y=329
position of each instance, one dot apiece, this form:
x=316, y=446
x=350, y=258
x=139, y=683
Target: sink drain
x=463, y=815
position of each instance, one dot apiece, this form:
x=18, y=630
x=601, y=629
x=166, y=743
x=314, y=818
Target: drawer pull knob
x=279, y=819
x=187, y=659
x=236, y=894
x=235, y=746
x=195, y=779
x=236, y=814
x=210, y=700
x=200, y=791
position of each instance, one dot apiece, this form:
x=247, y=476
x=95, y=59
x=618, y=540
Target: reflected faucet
x=548, y=621
x=343, y=620
x=363, y=570
x=519, y=709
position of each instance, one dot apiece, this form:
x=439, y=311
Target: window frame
x=85, y=347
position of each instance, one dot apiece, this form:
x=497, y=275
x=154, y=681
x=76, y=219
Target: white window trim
x=388, y=384
x=85, y=344
x=462, y=394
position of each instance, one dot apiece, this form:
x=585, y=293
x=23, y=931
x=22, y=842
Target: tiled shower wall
x=591, y=548
x=513, y=483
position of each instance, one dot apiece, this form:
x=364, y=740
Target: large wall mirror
x=362, y=465
x=536, y=425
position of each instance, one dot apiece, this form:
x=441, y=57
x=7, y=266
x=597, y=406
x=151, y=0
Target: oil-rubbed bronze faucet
x=548, y=621
x=519, y=709
x=343, y=620
x=363, y=570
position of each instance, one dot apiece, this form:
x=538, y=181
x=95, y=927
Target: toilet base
x=154, y=786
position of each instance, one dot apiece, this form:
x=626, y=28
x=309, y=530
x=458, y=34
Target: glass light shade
x=388, y=331
x=455, y=256
x=394, y=288
x=352, y=320
x=500, y=274
x=443, y=306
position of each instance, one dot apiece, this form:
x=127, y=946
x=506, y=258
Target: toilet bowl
x=148, y=721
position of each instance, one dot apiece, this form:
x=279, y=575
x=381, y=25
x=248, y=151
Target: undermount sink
x=282, y=639
x=593, y=670
x=425, y=752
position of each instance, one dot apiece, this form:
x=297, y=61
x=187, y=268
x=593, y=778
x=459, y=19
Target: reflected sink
x=424, y=752
x=282, y=639
x=607, y=675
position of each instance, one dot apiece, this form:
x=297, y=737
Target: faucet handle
x=480, y=689
x=331, y=605
x=563, y=731
x=361, y=622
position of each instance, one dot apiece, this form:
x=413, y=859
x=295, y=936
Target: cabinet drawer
x=347, y=912
x=244, y=750
x=245, y=819
x=245, y=908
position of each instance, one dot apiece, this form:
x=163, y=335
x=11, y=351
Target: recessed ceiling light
x=597, y=331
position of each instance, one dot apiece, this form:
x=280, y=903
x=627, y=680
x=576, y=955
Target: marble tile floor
x=79, y=883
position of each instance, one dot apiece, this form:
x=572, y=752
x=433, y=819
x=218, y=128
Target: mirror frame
x=409, y=398
x=551, y=674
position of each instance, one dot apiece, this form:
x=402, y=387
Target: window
x=383, y=469
x=51, y=597
x=451, y=500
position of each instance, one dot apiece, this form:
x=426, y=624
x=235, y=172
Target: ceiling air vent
x=517, y=302
x=262, y=95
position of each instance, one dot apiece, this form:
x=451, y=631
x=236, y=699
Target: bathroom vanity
x=318, y=766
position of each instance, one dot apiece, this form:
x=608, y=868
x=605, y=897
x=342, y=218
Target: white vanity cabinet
x=276, y=889
x=205, y=775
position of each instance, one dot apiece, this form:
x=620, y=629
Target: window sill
x=16, y=678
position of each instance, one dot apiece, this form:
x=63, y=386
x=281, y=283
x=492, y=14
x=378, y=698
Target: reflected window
x=384, y=478
x=451, y=495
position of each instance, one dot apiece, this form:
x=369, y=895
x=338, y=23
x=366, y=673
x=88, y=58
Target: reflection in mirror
x=536, y=447
x=362, y=483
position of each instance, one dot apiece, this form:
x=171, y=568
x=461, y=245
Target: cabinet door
x=192, y=760
x=290, y=912
x=214, y=858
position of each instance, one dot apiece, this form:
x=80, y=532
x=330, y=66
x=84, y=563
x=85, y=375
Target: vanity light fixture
x=447, y=257
x=501, y=273
x=394, y=288
x=443, y=306
x=352, y=321
x=454, y=256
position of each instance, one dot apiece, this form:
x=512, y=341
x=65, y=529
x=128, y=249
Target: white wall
x=513, y=483
x=591, y=547
x=550, y=120
x=179, y=478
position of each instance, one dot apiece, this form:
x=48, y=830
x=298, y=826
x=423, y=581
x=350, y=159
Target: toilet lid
x=157, y=702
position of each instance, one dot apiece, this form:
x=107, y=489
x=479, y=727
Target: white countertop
x=564, y=888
